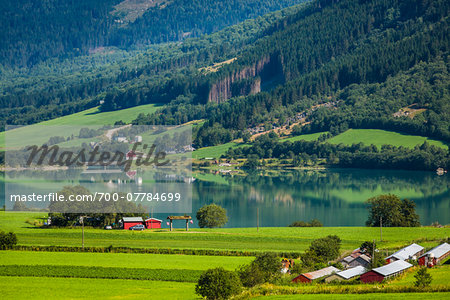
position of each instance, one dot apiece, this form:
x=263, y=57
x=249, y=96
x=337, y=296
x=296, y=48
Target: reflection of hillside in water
x=336, y=197
x=333, y=189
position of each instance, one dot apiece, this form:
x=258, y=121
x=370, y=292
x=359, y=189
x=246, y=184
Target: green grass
x=100, y=272
x=243, y=239
x=304, y=137
x=122, y=260
x=215, y=151
x=382, y=137
x=440, y=274
x=70, y=124
x=88, y=288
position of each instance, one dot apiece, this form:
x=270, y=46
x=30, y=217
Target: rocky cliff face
x=240, y=83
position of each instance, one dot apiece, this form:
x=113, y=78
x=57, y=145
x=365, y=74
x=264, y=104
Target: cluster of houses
x=356, y=265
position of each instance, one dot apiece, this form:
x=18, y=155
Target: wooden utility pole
x=381, y=229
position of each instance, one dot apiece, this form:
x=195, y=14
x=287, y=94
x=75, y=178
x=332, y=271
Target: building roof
x=321, y=273
x=153, y=219
x=348, y=259
x=350, y=273
x=132, y=219
x=364, y=257
x=392, y=268
x=439, y=250
x=407, y=252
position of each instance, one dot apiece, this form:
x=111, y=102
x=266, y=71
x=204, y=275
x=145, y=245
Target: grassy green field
x=382, y=137
x=88, y=288
x=243, y=239
x=214, y=151
x=304, y=137
x=123, y=260
x=67, y=125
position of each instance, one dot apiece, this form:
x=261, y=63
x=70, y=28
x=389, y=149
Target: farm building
x=153, y=223
x=311, y=276
x=386, y=271
x=435, y=256
x=131, y=221
x=410, y=252
x=355, y=260
x=347, y=274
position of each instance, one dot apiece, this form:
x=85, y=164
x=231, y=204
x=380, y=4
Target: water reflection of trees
x=315, y=186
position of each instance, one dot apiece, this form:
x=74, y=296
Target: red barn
x=385, y=272
x=131, y=221
x=153, y=223
x=435, y=256
x=309, y=277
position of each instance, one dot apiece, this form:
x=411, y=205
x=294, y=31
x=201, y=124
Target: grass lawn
x=83, y=288
x=382, y=137
x=122, y=260
x=70, y=124
x=244, y=239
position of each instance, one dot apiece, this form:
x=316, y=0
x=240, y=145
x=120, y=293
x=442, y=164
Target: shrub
x=7, y=240
x=322, y=250
x=313, y=223
x=212, y=216
x=218, y=283
x=423, y=278
x=251, y=275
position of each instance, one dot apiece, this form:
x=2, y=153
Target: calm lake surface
x=335, y=197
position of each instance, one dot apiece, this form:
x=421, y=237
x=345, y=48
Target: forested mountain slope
x=33, y=31
x=341, y=52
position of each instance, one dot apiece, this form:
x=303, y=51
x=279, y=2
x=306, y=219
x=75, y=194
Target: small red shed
x=131, y=221
x=153, y=223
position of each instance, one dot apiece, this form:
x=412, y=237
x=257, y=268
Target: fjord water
x=335, y=197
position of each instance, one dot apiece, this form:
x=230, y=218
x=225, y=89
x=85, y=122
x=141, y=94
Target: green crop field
x=382, y=137
x=89, y=288
x=70, y=124
x=242, y=239
x=123, y=260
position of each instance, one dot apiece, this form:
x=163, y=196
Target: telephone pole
x=381, y=229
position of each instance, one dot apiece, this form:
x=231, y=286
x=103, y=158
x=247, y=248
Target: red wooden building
x=309, y=277
x=435, y=256
x=385, y=272
x=153, y=223
x=131, y=221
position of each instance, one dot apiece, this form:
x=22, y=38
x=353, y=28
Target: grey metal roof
x=132, y=219
x=392, y=268
x=439, y=250
x=350, y=273
x=321, y=273
x=407, y=252
x=365, y=257
x=348, y=259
